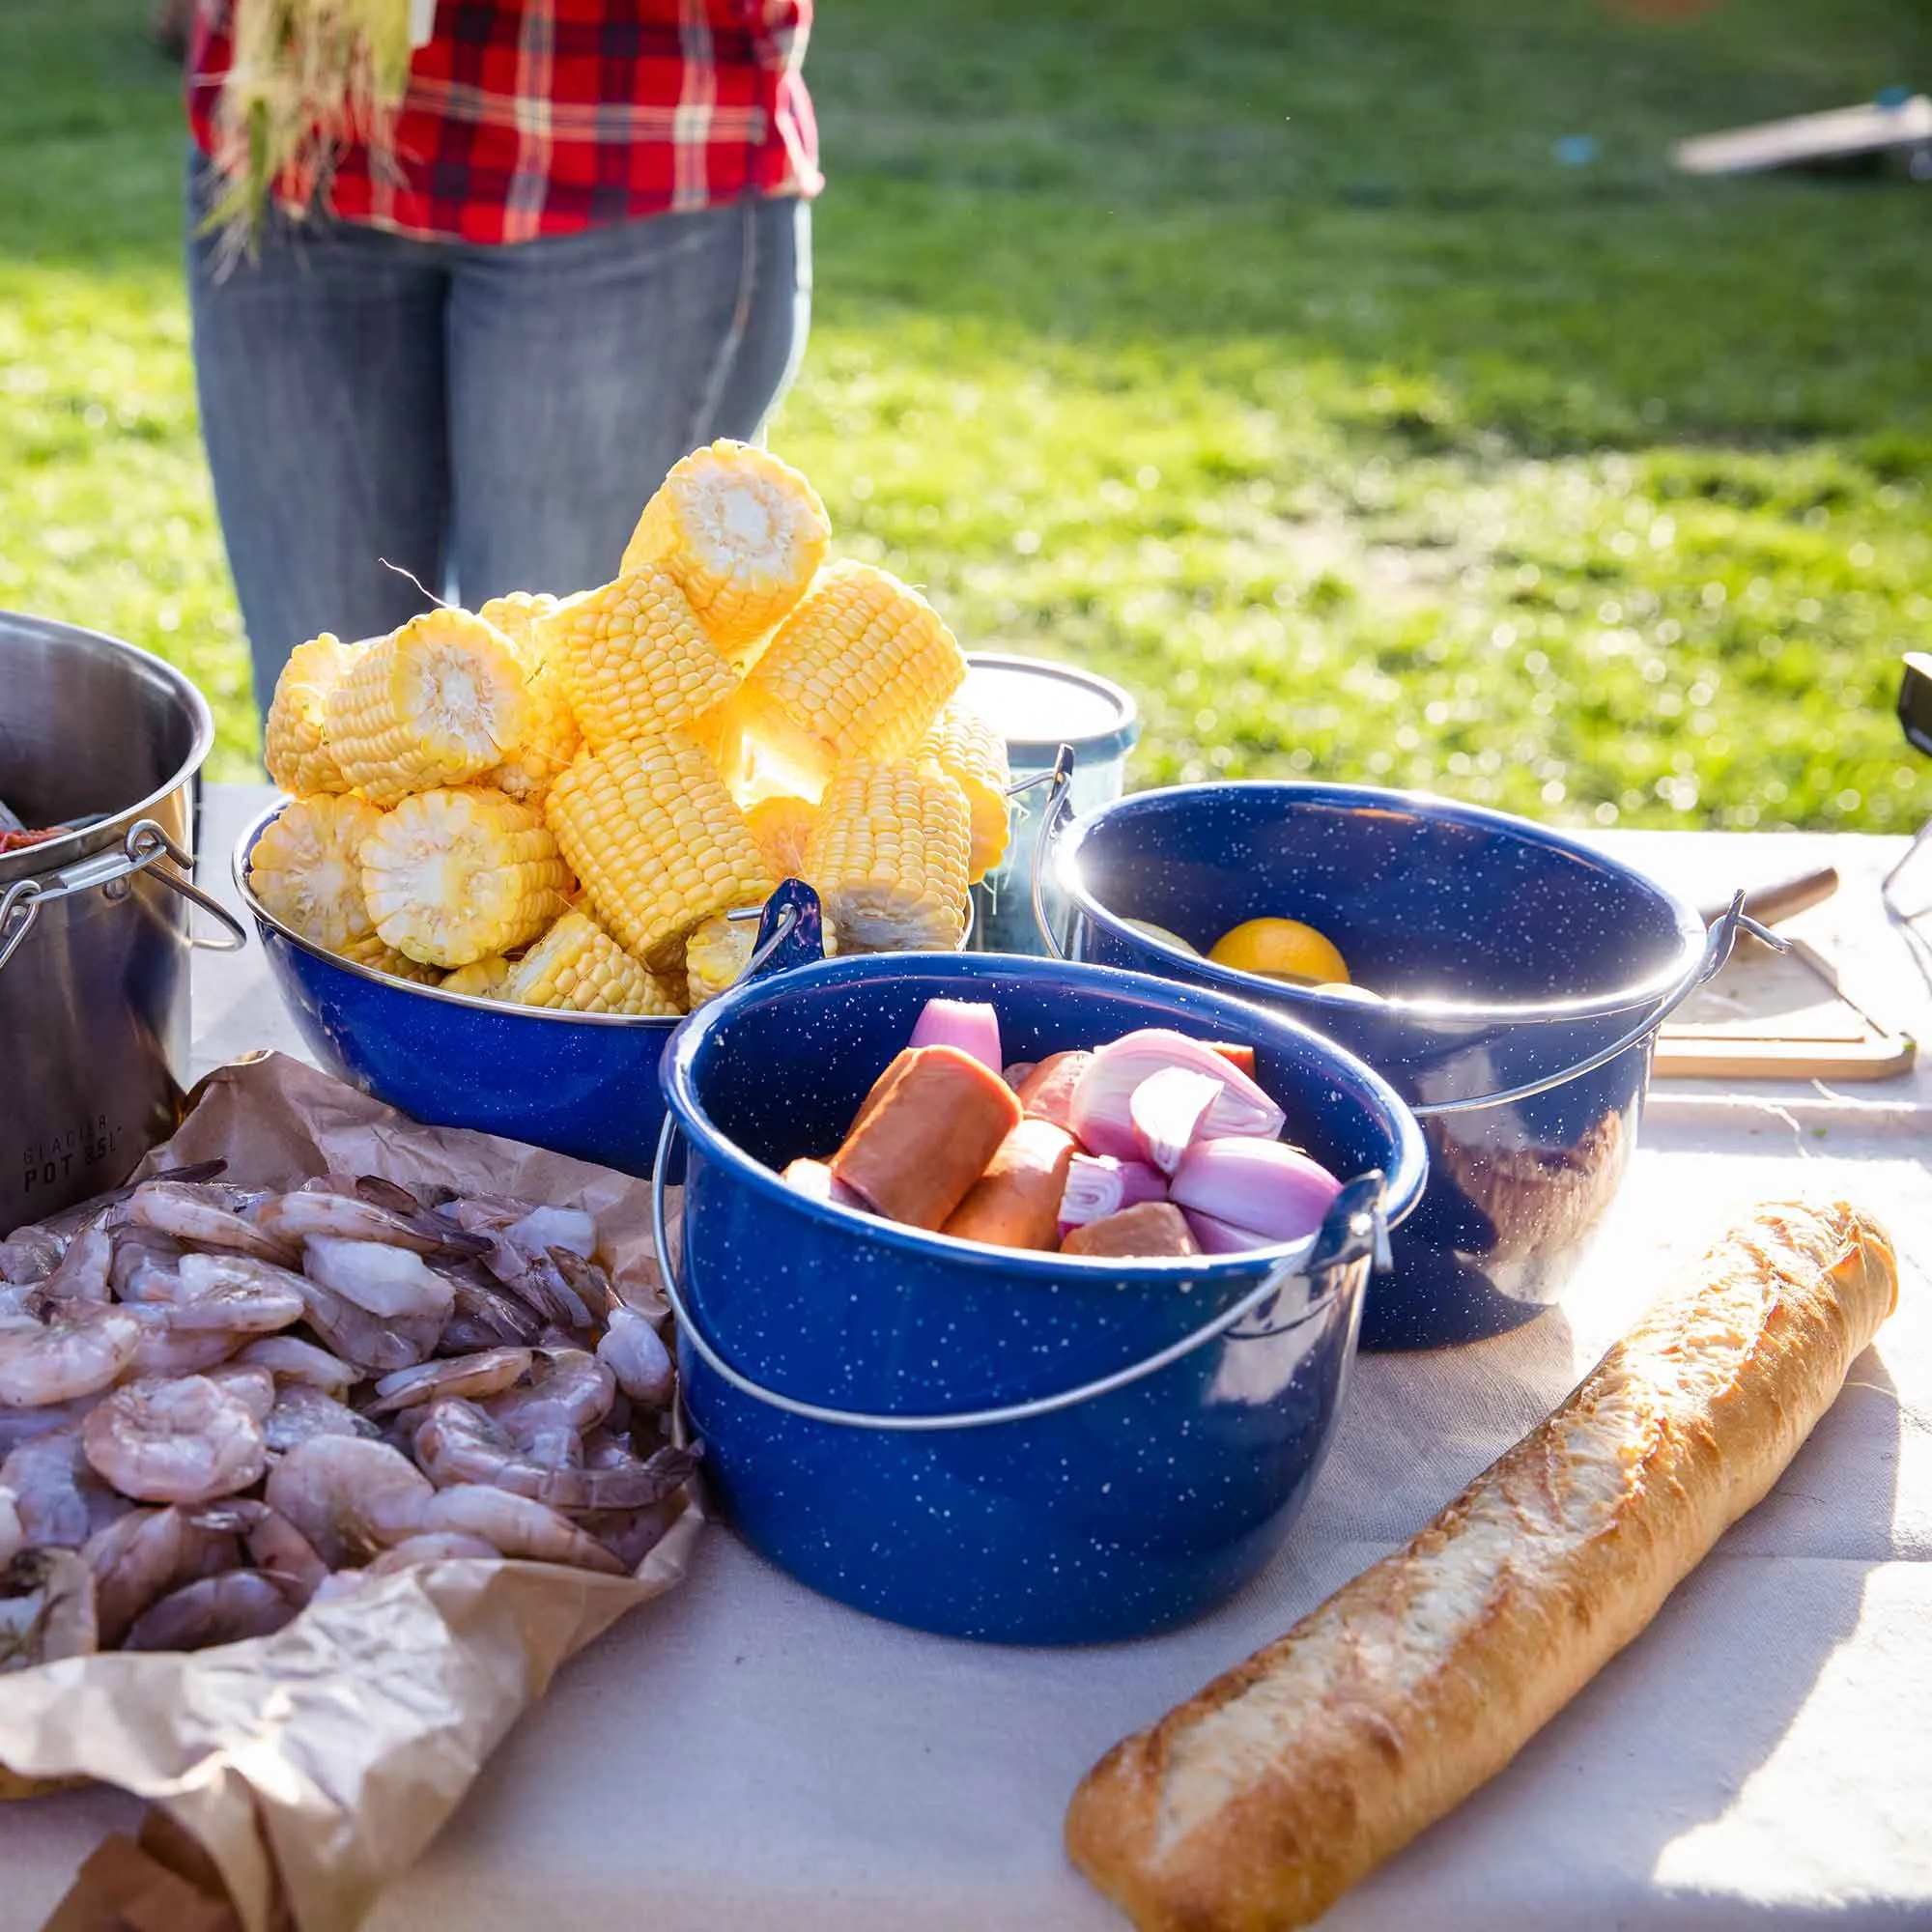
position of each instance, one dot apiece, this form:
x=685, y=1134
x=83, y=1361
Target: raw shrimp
x=568, y=1388
x=641, y=1362
x=62, y=1227
x=546, y=1227
x=28, y=1255
x=274, y=1543
x=138, y=1253
x=167, y=1350
x=516, y=1526
x=488, y=1373
x=227, y=1608
x=81, y=1347
x=306, y=1216
x=58, y=1497
x=46, y=1610
x=486, y=1316
x=457, y=1442
x=254, y=1388
x=420, y=1196
x=386, y=1281
x=303, y=1411
x=350, y=1497
x=237, y=1294
x=527, y=1273
x=146, y=1555
x=183, y=1441
x=630, y=1535
x=191, y=1214
x=432, y=1547
x=367, y=1340
x=290, y=1359
x=13, y=1533
x=83, y=1274
x=146, y=1269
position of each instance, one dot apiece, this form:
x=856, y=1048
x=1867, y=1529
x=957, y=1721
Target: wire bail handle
x=1058, y=803
x=142, y=850
x=1355, y=1230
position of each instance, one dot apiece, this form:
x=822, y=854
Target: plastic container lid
x=1038, y=706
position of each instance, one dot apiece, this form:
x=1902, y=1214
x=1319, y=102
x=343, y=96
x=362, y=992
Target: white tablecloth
x=743, y=1754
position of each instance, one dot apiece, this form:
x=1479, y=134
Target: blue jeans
x=488, y=418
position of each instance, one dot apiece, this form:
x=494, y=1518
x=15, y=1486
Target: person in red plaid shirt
x=589, y=254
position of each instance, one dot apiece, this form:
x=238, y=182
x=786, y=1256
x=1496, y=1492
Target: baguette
x=1256, y=1805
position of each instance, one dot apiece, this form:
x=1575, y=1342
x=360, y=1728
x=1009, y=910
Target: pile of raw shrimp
x=217, y=1405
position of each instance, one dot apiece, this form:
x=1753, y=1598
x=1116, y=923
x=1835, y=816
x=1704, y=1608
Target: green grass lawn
x=1263, y=356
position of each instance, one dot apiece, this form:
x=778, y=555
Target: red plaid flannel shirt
x=545, y=117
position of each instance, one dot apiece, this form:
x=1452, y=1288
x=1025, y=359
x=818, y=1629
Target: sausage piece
x=925, y=1134
x=1154, y=1229
x=1016, y=1203
x=1047, y=1091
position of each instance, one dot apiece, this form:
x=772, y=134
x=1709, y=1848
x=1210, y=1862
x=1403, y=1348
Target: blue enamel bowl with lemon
x=1507, y=979
x=1001, y=1444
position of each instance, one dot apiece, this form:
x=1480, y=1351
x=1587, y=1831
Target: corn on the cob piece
x=717, y=949
x=656, y=839
x=965, y=746
x=550, y=741
x=379, y=957
x=295, y=741
x=521, y=616
x=635, y=661
x=887, y=857
x=742, y=532
x=781, y=827
x=435, y=703
x=484, y=978
x=859, y=671
x=455, y=875
x=579, y=967
x=306, y=869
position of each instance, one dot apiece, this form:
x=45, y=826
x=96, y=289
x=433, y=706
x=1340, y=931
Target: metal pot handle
x=1356, y=1228
x=1058, y=804
x=1717, y=945
x=142, y=849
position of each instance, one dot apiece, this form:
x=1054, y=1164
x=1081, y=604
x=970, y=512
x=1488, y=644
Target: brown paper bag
x=315, y=1765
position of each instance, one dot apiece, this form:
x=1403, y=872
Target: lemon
x=1160, y=932
x=1281, y=949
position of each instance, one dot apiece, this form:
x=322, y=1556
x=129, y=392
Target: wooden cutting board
x=1780, y=1016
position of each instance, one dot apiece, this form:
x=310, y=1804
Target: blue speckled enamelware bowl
x=1503, y=952
x=1121, y=1514
x=584, y=1084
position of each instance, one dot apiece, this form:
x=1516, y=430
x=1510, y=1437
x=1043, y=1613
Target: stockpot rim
x=1403, y=1183
x=1256, y=988
x=56, y=855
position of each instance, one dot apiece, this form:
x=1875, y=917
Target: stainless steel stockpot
x=94, y=924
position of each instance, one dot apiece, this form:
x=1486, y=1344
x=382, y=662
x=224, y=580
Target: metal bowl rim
x=674, y=1078
x=1691, y=934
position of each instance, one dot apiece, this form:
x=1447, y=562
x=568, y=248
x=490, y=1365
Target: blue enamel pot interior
x=911, y=1423
x=1500, y=955
x=583, y=1084
x=836, y=1306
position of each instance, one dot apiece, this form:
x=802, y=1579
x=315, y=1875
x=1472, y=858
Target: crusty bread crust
x=1256, y=1805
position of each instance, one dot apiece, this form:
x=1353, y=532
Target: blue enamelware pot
x=584, y=1084
x=1029, y=1447
x=1516, y=982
